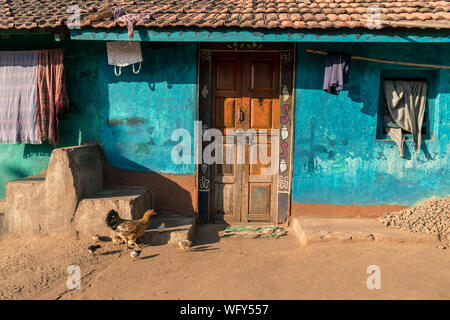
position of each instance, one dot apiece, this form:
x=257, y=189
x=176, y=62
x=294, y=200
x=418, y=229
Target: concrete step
x=313, y=230
x=91, y=212
x=178, y=227
x=24, y=204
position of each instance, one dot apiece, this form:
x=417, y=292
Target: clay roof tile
x=264, y=14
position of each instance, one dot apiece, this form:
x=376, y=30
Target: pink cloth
x=129, y=18
x=52, y=94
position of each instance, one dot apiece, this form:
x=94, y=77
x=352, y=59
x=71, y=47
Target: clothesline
x=386, y=61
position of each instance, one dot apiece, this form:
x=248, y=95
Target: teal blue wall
x=337, y=157
x=20, y=160
x=132, y=115
x=139, y=112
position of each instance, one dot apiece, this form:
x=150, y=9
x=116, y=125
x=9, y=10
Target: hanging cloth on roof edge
x=337, y=68
x=124, y=53
x=130, y=19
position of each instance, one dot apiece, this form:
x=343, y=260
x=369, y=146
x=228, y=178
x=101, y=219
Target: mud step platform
x=312, y=230
x=178, y=227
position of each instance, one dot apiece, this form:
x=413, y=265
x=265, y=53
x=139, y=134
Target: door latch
x=241, y=117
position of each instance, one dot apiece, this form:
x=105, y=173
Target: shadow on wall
x=14, y=172
x=138, y=114
x=365, y=78
x=174, y=193
x=37, y=150
x=352, y=90
x=338, y=146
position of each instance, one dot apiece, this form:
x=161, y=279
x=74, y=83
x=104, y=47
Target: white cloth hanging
x=406, y=104
x=124, y=53
x=18, y=97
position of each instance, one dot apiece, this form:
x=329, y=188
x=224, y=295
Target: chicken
x=135, y=253
x=117, y=240
x=129, y=230
x=92, y=249
x=185, y=245
x=162, y=227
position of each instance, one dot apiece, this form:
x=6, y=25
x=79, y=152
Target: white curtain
x=18, y=97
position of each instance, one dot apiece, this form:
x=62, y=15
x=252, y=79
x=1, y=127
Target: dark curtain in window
x=406, y=102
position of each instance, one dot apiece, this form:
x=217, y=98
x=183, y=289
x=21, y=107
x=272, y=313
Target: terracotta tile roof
x=297, y=14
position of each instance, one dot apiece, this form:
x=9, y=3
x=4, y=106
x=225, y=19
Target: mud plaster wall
x=133, y=116
x=337, y=157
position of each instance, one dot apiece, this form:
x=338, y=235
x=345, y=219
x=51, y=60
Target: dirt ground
x=220, y=267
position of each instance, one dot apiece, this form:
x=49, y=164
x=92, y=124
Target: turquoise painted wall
x=139, y=112
x=132, y=115
x=337, y=157
x=19, y=160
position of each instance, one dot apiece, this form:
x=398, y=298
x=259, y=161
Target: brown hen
x=129, y=230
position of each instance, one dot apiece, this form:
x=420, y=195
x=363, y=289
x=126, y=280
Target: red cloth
x=52, y=94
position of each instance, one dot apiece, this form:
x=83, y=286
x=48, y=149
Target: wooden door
x=226, y=81
x=261, y=81
x=245, y=91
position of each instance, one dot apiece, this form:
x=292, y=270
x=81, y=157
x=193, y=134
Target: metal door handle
x=241, y=115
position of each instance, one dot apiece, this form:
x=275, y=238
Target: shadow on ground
x=207, y=234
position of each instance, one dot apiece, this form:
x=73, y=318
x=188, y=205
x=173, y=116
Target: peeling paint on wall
x=139, y=112
x=337, y=158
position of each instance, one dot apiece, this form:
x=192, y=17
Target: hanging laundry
x=32, y=95
x=124, y=53
x=118, y=12
x=394, y=131
x=52, y=94
x=406, y=102
x=129, y=18
x=399, y=138
x=337, y=68
x=18, y=97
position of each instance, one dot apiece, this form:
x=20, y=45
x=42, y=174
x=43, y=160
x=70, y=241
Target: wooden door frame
x=287, y=72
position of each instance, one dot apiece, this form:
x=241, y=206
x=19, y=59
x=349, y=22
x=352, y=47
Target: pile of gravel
x=431, y=217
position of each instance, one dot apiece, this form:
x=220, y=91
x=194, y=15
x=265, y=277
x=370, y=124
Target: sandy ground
x=224, y=268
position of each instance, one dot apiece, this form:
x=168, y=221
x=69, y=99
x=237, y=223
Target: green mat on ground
x=256, y=231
